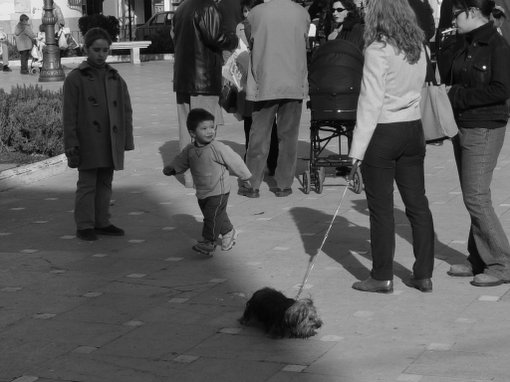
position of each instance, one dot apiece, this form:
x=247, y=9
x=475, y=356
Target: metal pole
x=51, y=68
x=130, y=21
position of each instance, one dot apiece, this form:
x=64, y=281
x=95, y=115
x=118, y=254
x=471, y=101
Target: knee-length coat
x=98, y=118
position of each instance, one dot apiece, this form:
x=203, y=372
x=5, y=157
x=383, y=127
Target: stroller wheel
x=319, y=179
x=357, y=182
x=33, y=70
x=306, y=182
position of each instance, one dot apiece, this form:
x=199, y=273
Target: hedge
x=31, y=120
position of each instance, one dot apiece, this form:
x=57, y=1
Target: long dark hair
x=394, y=22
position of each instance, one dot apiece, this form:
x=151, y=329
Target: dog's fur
x=282, y=316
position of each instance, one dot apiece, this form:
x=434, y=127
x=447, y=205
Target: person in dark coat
x=98, y=128
x=199, y=38
x=479, y=92
x=347, y=23
x=425, y=17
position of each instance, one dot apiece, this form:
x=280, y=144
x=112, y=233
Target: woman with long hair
x=347, y=22
x=388, y=141
x=480, y=79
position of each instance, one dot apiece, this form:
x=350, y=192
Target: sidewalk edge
x=23, y=175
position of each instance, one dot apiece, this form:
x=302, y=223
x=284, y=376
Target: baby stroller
x=37, y=57
x=334, y=78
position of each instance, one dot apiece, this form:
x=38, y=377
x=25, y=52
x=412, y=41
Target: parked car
x=157, y=29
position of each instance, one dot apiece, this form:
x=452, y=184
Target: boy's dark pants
x=216, y=221
x=24, y=56
x=93, y=194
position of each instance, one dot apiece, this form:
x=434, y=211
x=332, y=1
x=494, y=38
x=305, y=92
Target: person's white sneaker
x=228, y=240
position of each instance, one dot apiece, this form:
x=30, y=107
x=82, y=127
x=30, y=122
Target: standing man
x=199, y=38
x=277, y=83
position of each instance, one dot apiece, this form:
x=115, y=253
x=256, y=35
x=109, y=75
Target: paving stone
x=157, y=341
x=468, y=365
x=256, y=348
x=85, y=349
x=26, y=378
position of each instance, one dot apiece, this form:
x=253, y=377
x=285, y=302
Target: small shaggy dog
x=282, y=316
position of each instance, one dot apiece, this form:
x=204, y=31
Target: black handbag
x=228, y=97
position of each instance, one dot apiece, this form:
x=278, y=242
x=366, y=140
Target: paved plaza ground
x=147, y=308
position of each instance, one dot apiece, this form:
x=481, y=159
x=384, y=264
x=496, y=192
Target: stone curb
x=26, y=174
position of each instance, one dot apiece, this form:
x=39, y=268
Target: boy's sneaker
x=205, y=247
x=6, y=69
x=228, y=240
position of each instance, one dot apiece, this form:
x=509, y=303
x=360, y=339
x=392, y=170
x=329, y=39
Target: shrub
x=109, y=23
x=31, y=120
x=13, y=51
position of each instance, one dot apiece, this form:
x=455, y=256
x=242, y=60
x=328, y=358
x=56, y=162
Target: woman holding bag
x=480, y=87
x=388, y=138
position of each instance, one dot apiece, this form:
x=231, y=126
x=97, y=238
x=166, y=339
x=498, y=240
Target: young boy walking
x=209, y=162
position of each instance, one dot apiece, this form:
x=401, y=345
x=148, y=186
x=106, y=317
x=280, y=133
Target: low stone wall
x=26, y=174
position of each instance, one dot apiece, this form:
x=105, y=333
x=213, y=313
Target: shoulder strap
x=432, y=75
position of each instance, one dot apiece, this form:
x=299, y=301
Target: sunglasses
x=333, y=10
x=457, y=13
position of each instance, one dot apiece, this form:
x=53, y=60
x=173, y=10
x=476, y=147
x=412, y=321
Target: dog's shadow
x=347, y=241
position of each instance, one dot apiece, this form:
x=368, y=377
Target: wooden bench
x=133, y=46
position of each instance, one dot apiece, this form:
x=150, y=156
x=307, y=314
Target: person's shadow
x=403, y=229
x=347, y=241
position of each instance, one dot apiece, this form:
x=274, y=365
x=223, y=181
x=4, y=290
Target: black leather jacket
x=199, y=39
x=480, y=75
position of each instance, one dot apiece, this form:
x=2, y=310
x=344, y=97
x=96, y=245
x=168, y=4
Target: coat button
x=114, y=128
x=115, y=103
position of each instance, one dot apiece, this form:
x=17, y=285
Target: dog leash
x=311, y=262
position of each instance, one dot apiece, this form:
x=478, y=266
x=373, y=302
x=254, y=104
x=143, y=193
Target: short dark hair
x=485, y=6
x=196, y=117
x=23, y=17
x=94, y=34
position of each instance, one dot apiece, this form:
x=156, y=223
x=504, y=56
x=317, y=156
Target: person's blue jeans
x=288, y=117
x=476, y=153
x=396, y=154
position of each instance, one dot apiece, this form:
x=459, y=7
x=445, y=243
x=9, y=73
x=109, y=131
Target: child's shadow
x=170, y=149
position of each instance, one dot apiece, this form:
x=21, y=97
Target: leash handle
x=311, y=262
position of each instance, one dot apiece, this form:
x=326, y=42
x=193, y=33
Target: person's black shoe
x=6, y=69
x=282, y=193
x=423, y=285
x=24, y=72
x=371, y=285
x=87, y=234
x=110, y=230
x=248, y=192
